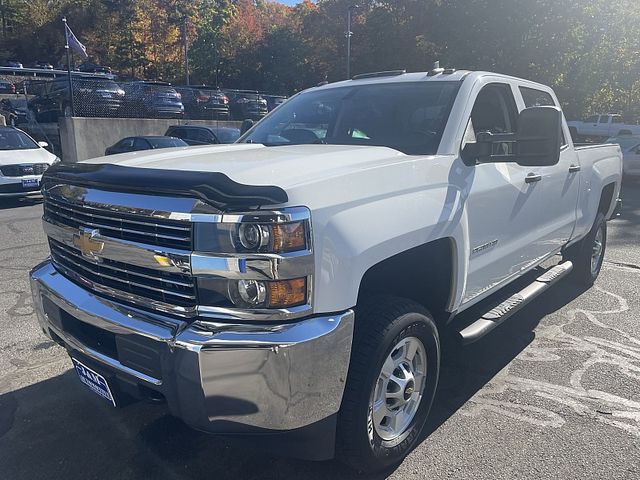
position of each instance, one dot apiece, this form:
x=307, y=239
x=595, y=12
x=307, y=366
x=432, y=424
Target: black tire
x=581, y=253
x=382, y=323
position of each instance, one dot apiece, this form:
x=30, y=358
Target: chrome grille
x=22, y=170
x=121, y=280
x=124, y=226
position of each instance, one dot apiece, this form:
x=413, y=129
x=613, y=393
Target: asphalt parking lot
x=554, y=393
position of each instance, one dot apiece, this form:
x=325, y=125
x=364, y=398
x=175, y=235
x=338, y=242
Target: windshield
x=16, y=140
x=166, y=142
x=409, y=117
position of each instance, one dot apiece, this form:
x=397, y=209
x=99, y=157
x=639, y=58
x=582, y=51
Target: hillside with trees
x=588, y=50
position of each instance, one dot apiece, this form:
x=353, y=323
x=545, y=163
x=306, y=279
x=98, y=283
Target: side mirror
x=43, y=144
x=246, y=125
x=536, y=143
x=539, y=136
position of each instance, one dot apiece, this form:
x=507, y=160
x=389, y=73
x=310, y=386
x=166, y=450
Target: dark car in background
x=246, y=104
x=7, y=87
x=274, y=101
x=204, y=102
x=43, y=65
x=17, y=108
x=93, y=68
x=203, y=134
x=92, y=97
x=134, y=144
x=152, y=100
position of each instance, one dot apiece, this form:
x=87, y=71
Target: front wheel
x=392, y=380
x=588, y=254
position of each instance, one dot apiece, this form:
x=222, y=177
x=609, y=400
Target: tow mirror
x=246, y=125
x=537, y=142
x=539, y=136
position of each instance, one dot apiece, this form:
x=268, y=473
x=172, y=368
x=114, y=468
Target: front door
x=505, y=203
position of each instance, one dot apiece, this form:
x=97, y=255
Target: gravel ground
x=554, y=393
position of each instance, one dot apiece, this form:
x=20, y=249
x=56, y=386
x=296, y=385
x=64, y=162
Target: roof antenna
x=436, y=69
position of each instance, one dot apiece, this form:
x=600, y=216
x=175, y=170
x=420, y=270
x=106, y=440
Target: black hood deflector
x=214, y=188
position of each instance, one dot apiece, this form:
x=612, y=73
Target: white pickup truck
x=600, y=127
x=296, y=284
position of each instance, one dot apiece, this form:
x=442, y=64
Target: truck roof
x=446, y=76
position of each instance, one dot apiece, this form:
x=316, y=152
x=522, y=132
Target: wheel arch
x=426, y=274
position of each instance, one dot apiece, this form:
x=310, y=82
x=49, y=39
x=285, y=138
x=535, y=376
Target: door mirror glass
x=539, y=136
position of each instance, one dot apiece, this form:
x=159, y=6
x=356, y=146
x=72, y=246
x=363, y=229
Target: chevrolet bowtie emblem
x=86, y=242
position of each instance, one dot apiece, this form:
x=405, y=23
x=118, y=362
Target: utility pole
x=186, y=56
x=348, y=34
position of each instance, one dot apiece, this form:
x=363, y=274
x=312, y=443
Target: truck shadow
x=10, y=202
x=59, y=419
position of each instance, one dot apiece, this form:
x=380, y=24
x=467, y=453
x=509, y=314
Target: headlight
x=254, y=262
x=259, y=232
x=56, y=160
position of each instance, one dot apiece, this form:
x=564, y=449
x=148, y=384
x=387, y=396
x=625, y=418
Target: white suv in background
x=22, y=163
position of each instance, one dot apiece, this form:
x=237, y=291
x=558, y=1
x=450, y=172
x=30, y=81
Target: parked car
x=43, y=65
x=203, y=134
x=22, y=163
x=204, y=102
x=274, y=101
x=93, y=68
x=92, y=97
x=600, y=127
x=17, y=108
x=135, y=144
x=7, y=87
x=297, y=283
x=246, y=104
x=152, y=99
x=13, y=64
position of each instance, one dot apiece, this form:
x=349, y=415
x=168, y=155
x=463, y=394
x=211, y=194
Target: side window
x=140, y=144
x=201, y=135
x=592, y=119
x=616, y=120
x=604, y=119
x=176, y=132
x=494, y=110
x=127, y=142
x=536, y=98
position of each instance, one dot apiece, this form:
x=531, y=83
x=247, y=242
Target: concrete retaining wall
x=83, y=138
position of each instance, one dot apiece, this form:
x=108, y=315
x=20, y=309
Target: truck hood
x=253, y=164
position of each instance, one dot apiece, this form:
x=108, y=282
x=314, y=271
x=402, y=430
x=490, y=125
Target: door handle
x=574, y=168
x=532, y=178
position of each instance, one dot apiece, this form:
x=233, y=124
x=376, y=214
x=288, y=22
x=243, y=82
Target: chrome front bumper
x=237, y=379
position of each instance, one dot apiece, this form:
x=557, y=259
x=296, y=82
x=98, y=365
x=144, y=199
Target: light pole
x=186, y=55
x=348, y=34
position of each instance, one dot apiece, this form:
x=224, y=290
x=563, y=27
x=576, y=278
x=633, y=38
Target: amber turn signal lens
x=288, y=237
x=287, y=293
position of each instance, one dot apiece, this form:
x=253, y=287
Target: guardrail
x=48, y=73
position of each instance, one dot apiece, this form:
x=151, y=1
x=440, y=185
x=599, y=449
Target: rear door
x=560, y=182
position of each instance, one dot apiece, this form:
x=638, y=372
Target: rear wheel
x=588, y=254
x=392, y=379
